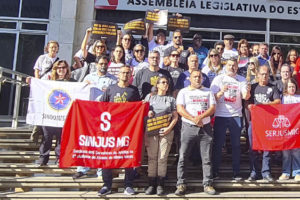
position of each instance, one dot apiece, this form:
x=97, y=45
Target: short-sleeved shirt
x=196, y=102
x=153, y=46
x=114, y=68
x=117, y=94
x=297, y=71
x=145, y=79
x=288, y=99
x=43, y=63
x=183, y=55
x=202, y=54
x=230, y=104
x=100, y=82
x=211, y=74
x=175, y=72
x=263, y=94
x=263, y=61
x=227, y=54
x=161, y=104
x=243, y=66
x=184, y=80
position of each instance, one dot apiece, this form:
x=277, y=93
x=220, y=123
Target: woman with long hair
x=214, y=66
x=290, y=158
x=117, y=60
x=159, y=145
x=276, y=61
x=292, y=57
x=252, y=70
x=243, y=57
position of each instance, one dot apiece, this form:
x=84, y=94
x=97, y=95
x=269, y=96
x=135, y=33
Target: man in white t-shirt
x=229, y=90
x=229, y=51
x=195, y=104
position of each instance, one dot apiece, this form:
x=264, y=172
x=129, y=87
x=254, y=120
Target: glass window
x=9, y=8
x=285, y=25
x=29, y=49
x=33, y=26
x=7, y=40
x=8, y=25
x=285, y=39
x=35, y=9
x=249, y=37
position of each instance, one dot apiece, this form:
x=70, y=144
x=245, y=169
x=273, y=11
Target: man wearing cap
x=229, y=51
x=200, y=50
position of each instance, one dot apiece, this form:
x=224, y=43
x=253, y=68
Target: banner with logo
x=50, y=101
x=103, y=134
x=275, y=127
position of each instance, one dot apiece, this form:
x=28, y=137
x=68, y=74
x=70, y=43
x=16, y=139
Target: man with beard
x=100, y=80
x=229, y=89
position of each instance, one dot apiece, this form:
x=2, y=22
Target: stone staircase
x=20, y=178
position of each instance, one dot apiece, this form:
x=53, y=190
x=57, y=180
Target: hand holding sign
x=158, y=17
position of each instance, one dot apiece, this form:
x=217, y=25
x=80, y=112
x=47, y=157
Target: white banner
x=272, y=9
x=50, y=101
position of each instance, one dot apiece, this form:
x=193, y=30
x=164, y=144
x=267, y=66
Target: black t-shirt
x=145, y=79
x=263, y=94
x=174, y=72
x=117, y=94
x=183, y=55
x=90, y=58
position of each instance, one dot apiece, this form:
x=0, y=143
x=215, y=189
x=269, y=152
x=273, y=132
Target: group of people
x=194, y=85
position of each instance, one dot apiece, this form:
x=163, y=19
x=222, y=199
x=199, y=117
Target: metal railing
x=19, y=80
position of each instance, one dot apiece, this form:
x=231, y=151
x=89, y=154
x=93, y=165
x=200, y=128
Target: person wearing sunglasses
x=252, y=70
x=177, y=45
x=214, y=66
x=158, y=145
x=175, y=68
x=276, y=61
x=127, y=41
x=139, y=60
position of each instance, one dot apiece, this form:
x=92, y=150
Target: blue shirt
x=202, y=54
x=184, y=80
x=263, y=61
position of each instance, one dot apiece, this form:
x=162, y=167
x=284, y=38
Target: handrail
x=15, y=78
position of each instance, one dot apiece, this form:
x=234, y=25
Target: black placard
x=154, y=124
x=102, y=29
x=181, y=23
x=136, y=27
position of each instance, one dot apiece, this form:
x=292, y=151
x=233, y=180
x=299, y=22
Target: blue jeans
x=291, y=162
x=235, y=127
x=107, y=177
x=84, y=170
x=255, y=166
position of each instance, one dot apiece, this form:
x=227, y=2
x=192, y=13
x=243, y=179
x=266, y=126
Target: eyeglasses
x=139, y=50
x=163, y=82
x=175, y=55
x=214, y=55
x=251, y=63
x=177, y=37
x=100, y=46
x=126, y=39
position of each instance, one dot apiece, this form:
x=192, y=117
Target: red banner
x=103, y=134
x=275, y=127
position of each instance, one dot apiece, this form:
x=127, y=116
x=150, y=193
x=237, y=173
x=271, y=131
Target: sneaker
x=284, y=177
x=78, y=175
x=252, y=178
x=209, y=190
x=268, y=178
x=104, y=191
x=297, y=177
x=180, y=190
x=129, y=191
x=237, y=178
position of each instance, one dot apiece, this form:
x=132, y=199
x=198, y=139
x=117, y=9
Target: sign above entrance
x=272, y=9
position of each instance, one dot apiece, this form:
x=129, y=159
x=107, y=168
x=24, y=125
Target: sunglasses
x=100, y=46
x=139, y=50
x=175, y=55
x=251, y=63
x=220, y=48
x=214, y=55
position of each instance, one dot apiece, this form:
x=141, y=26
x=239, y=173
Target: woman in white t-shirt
x=117, y=60
x=44, y=62
x=214, y=66
x=290, y=158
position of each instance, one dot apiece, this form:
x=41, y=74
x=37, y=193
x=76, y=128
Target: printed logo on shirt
x=120, y=98
x=153, y=80
x=261, y=98
x=201, y=101
x=231, y=94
